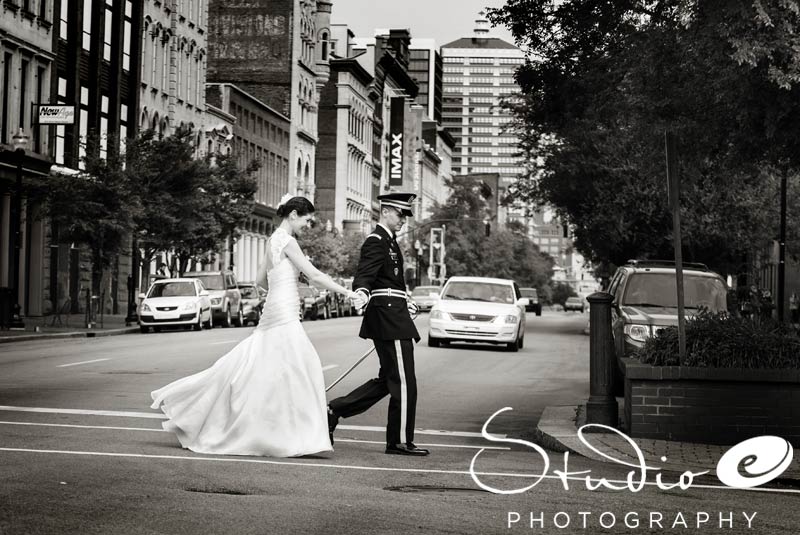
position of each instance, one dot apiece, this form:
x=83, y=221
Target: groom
x=380, y=284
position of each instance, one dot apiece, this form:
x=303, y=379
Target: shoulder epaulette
x=373, y=235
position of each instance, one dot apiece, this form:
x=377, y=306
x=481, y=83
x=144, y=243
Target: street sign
x=52, y=114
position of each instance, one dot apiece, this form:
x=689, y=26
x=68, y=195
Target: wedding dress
x=264, y=397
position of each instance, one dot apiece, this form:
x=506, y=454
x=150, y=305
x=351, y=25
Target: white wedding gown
x=264, y=397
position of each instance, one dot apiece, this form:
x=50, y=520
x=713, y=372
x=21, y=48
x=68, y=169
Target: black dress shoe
x=333, y=421
x=406, y=449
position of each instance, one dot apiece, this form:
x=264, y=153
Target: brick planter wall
x=710, y=405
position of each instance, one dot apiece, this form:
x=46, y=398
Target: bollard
x=602, y=405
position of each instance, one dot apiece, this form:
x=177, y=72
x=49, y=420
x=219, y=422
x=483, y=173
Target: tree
x=605, y=79
x=561, y=292
x=96, y=207
x=326, y=250
x=506, y=253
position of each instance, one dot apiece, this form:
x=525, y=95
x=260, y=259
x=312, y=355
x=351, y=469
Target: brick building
x=262, y=134
x=277, y=51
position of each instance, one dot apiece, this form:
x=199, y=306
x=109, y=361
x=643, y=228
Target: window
x=324, y=42
x=165, y=61
x=40, y=96
x=103, y=126
x=489, y=61
x=6, y=85
x=123, y=127
x=63, y=20
x=83, y=127
x=453, y=60
x=107, y=34
x=87, y=25
x=23, y=91
x=126, y=37
x=61, y=129
x=43, y=9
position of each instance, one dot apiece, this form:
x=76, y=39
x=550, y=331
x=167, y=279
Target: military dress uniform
x=387, y=321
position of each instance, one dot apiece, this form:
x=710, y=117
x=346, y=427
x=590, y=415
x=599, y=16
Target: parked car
x=175, y=303
x=330, y=302
x=348, y=283
x=479, y=309
x=340, y=304
x=574, y=303
x=646, y=299
x=226, y=299
x=425, y=296
x=312, y=301
x=533, y=300
x=253, y=297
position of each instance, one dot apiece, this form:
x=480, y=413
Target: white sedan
x=479, y=309
x=176, y=303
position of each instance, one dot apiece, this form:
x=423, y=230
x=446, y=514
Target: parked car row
x=200, y=299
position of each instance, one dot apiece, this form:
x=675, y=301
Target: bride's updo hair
x=302, y=205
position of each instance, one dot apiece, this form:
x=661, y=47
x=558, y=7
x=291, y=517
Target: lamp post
x=20, y=143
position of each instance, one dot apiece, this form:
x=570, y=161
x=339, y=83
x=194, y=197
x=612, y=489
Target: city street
x=82, y=452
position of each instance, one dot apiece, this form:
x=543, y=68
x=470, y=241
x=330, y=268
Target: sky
x=443, y=20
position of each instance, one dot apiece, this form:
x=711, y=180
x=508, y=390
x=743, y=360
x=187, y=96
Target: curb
x=56, y=336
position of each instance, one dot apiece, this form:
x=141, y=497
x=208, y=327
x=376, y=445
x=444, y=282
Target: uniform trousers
x=396, y=378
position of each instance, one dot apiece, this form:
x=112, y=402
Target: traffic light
x=488, y=229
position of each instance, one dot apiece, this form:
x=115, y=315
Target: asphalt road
x=82, y=452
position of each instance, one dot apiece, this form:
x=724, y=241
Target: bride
x=266, y=396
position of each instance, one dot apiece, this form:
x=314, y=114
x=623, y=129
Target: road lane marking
x=223, y=342
x=153, y=429
x=79, y=363
x=369, y=468
x=161, y=416
x=329, y=367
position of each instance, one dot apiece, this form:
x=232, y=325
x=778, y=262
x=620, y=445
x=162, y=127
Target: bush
x=720, y=340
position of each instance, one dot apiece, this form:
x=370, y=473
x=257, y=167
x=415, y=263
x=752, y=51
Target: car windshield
x=425, y=290
x=306, y=292
x=211, y=282
x=527, y=292
x=248, y=292
x=573, y=299
x=660, y=290
x=479, y=291
x=172, y=289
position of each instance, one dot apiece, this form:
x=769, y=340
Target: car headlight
x=510, y=319
x=439, y=315
x=216, y=300
x=145, y=308
x=190, y=306
x=637, y=332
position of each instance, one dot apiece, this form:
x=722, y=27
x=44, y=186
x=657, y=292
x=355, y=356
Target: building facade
x=260, y=134
x=27, y=64
x=344, y=153
x=278, y=52
x=426, y=68
x=173, y=67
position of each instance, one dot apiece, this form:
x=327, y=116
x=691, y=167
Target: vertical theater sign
x=396, y=141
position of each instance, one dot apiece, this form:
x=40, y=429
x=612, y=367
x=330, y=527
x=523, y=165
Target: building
x=426, y=68
x=87, y=58
x=259, y=134
x=344, y=153
x=478, y=75
x=438, y=141
x=27, y=63
x=397, y=128
x=173, y=67
x=277, y=52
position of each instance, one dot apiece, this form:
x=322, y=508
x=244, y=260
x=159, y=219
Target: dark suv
x=646, y=299
x=226, y=299
x=533, y=300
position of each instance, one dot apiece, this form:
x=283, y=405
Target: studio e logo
x=751, y=463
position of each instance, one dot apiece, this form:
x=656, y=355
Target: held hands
x=358, y=299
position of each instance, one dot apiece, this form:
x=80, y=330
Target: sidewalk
x=558, y=431
x=70, y=326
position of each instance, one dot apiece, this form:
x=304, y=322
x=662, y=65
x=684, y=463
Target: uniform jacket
x=381, y=266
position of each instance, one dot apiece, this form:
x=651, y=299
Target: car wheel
x=521, y=343
x=199, y=325
x=513, y=346
x=210, y=323
x=156, y=329
x=433, y=342
x=144, y=329
x=539, y=311
x=314, y=314
x=239, y=321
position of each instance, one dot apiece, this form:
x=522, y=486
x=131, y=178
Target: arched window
x=299, y=167
x=324, y=42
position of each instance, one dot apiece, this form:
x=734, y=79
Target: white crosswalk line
x=79, y=363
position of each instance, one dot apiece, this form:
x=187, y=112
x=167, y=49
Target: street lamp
x=20, y=143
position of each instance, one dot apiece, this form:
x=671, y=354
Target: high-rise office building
x=425, y=66
x=478, y=74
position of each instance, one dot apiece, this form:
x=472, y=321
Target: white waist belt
x=388, y=292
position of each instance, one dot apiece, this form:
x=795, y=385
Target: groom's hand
x=413, y=309
x=359, y=299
